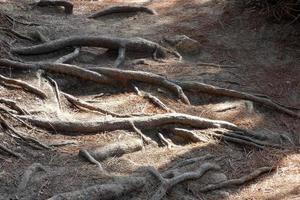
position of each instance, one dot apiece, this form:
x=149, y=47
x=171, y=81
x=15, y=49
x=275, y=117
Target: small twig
x=214, y=65
x=239, y=181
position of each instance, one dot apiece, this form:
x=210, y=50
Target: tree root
x=114, y=149
x=35, y=167
x=10, y=152
x=209, y=89
x=168, y=184
x=79, y=128
x=156, y=101
x=122, y=9
x=69, y=57
x=187, y=135
x=12, y=20
x=164, y=141
x=21, y=135
x=145, y=77
x=85, y=154
x=25, y=86
x=121, y=57
x=78, y=102
x=239, y=181
x=105, y=191
x=13, y=105
x=145, y=138
x=58, y=3
x=18, y=35
x=113, y=43
x=56, y=91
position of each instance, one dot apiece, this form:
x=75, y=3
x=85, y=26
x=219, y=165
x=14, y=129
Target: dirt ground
x=264, y=57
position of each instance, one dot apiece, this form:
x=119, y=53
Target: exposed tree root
x=168, y=184
x=164, y=141
x=21, y=135
x=78, y=102
x=113, y=43
x=188, y=135
x=56, y=91
x=35, y=167
x=69, y=57
x=13, y=21
x=153, y=99
x=79, y=128
x=38, y=36
x=58, y=3
x=209, y=89
x=122, y=9
x=59, y=68
x=10, y=152
x=121, y=57
x=145, y=77
x=114, y=149
x=13, y=105
x=105, y=191
x=85, y=154
x=239, y=181
x=25, y=86
x=18, y=35
x=145, y=138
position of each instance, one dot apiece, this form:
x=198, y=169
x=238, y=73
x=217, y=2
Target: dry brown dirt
x=265, y=57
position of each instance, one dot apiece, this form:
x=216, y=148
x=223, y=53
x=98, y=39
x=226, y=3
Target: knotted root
x=239, y=181
x=122, y=9
x=57, y=3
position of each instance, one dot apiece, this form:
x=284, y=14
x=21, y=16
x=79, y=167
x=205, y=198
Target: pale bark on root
x=105, y=191
x=121, y=57
x=25, y=86
x=35, y=167
x=85, y=154
x=115, y=149
x=156, y=101
x=69, y=57
x=58, y=3
x=59, y=68
x=56, y=91
x=209, y=89
x=114, y=43
x=79, y=127
x=13, y=105
x=10, y=152
x=78, y=102
x=145, y=77
x=239, y=181
x=188, y=135
x=168, y=184
x=122, y=9
x=164, y=141
x=145, y=138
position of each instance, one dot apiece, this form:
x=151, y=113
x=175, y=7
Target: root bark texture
x=239, y=181
x=114, y=149
x=79, y=128
x=103, y=192
x=13, y=105
x=122, y=9
x=69, y=57
x=113, y=43
x=25, y=86
x=58, y=3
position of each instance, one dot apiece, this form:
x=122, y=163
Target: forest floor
x=263, y=56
